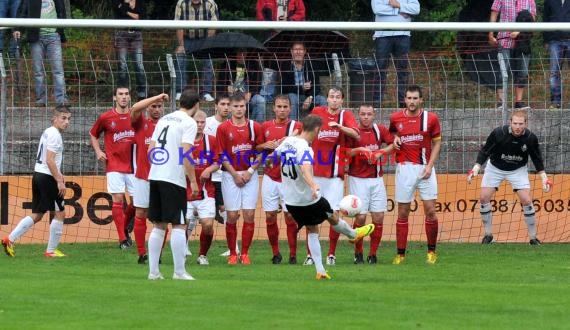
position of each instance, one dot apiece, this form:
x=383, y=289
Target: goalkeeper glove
x=546, y=183
x=473, y=172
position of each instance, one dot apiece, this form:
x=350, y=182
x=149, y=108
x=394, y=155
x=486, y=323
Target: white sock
x=23, y=226
x=154, y=247
x=55, y=231
x=178, y=247
x=315, y=249
x=343, y=228
x=530, y=219
x=487, y=218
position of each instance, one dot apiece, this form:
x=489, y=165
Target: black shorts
x=310, y=215
x=218, y=193
x=45, y=194
x=167, y=203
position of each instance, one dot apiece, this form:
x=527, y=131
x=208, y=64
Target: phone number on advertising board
x=501, y=205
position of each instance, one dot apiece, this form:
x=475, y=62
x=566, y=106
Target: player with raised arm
x=274, y=131
x=302, y=193
x=170, y=156
x=237, y=140
x=119, y=137
x=419, y=135
x=144, y=127
x=365, y=177
x=48, y=186
x=338, y=126
x=507, y=148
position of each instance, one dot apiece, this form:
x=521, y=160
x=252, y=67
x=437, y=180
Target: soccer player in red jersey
x=365, y=177
x=119, y=138
x=203, y=204
x=419, y=140
x=338, y=125
x=274, y=132
x=143, y=127
x=237, y=141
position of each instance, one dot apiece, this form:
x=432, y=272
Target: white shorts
x=236, y=198
x=206, y=208
x=271, y=194
x=142, y=192
x=493, y=177
x=332, y=189
x=407, y=182
x=371, y=191
x=117, y=182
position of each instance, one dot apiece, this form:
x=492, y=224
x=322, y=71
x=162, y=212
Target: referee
x=508, y=148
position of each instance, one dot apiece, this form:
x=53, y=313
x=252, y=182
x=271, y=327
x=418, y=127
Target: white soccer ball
x=350, y=205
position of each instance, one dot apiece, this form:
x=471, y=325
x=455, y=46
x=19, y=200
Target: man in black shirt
x=508, y=148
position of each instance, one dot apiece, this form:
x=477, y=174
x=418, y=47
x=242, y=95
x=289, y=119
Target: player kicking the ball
x=302, y=194
x=507, y=149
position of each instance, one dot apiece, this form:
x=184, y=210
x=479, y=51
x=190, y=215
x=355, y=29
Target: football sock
x=291, y=236
x=343, y=228
x=401, y=235
x=23, y=226
x=487, y=218
x=273, y=235
x=140, y=235
x=231, y=237
x=247, y=236
x=205, y=243
x=375, y=238
x=55, y=231
x=129, y=212
x=119, y=220
x=333, y=240
x=431, y=226
x=530, y=219
x=358, y=247
x=315, y=249
x=155, y=241
x=178, y=247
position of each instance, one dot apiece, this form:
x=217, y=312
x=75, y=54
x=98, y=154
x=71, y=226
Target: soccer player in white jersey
x=48, y=186
x=170, y=155
x=303, y=196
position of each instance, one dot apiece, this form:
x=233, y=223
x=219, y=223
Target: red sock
x=431, y=233
x=205, y=243
x=402, y=235
x=291, y=236
x=333, y=239
x=358, y=247
x=247, y=236
x=231, y=237
x=375, y=238
x=129, y=212
x=119, y=220
x=140, y=235
x=273, y=235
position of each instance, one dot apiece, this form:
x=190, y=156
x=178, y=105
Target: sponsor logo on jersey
x=412, y=138
x=123, y=135
x=512, y=158
x=328, y=134
x=241, y=147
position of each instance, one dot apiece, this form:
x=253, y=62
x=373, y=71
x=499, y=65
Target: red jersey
x=119, y=140
x=326, y=146
x=416, y=134
x=205, y=153
x=371, y=139
x=143, y=128
x=275, y=131
x=236, y=144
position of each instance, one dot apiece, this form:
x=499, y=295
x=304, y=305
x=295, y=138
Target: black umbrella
x=318, y=43
x=225, y=44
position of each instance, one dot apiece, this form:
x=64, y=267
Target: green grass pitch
x=501, y=286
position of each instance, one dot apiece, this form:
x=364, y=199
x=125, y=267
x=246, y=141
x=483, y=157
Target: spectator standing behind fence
x=8, y=9
x=130, y=40
x=558, y=43
x=280, y=10
x=45, y=41
x=395, y=43
x=194, y=10
x=517, y=62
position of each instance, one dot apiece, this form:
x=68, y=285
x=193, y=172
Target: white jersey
x=210, y=129
x=51, y=140
x=170, y=132
x=294, y=152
